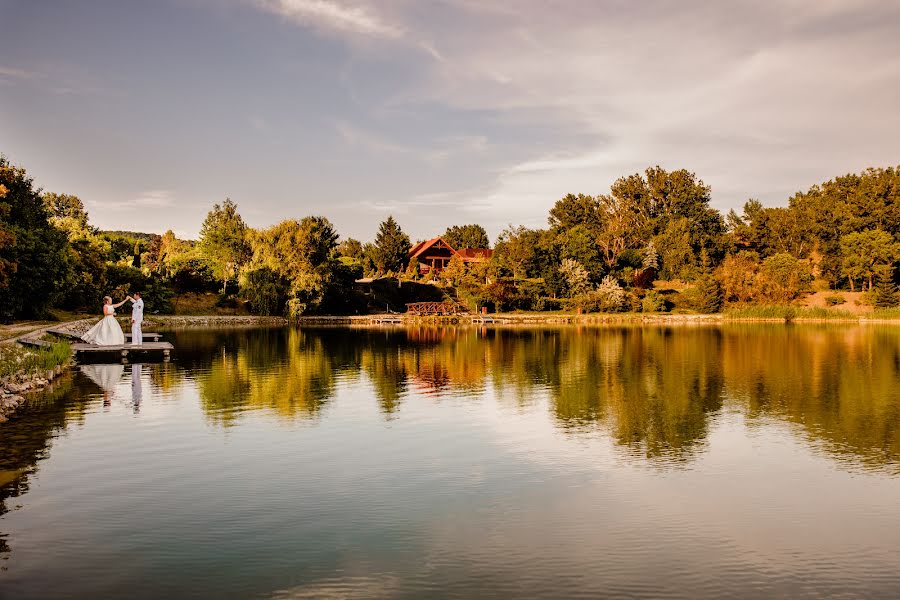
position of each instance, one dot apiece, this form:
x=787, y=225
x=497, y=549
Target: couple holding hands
x=108, y=332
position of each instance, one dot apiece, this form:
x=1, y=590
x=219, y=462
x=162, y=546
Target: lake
x=746, y=461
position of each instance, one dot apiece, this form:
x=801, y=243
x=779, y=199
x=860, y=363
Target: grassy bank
x=16, y=359
x=788, y=313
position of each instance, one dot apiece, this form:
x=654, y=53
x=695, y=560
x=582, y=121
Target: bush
x=834, y=300
x=653, y=302
x=545, y=303
x=608, y=297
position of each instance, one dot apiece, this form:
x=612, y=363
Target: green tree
x=34, y=260
x=576, y=277
x=738, y=275
x=863, y=251
x=455, y=272
x=885, y=295
x=848, y=204
x=466, y=236
x=710, y=294
x=390, y=251
x=573, y=211
x=783, y=277
x=351, y=248
x=300, y=252
x=579, y=243
x=66, y=211
x=515, y=249
x=223, y=242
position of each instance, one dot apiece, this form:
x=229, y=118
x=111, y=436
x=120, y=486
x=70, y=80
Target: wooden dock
x=124, y=350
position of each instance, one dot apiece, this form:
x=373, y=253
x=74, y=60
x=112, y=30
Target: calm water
x=743, y=461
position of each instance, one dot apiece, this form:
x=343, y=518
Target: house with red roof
x=435, y=254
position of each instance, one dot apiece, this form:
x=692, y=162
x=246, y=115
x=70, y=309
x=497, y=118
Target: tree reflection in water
x=653, y=389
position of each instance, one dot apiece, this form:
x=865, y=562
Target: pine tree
x=391, y=247
x=651, y=257
x=710, y=295
x=885, y=294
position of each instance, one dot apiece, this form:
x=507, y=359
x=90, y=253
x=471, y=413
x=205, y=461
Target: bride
x=107, y=332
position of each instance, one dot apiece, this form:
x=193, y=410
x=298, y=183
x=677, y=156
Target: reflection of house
x=436, y=254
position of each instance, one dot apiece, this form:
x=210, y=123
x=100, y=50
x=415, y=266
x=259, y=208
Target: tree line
x=605, y=252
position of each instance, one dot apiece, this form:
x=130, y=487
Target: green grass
x=788, y=313
x=15, y=358
x=886, y=313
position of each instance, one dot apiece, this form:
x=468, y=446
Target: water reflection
x=508, y=465
x=654, y=390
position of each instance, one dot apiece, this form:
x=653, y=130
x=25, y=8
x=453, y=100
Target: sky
x=438, y=112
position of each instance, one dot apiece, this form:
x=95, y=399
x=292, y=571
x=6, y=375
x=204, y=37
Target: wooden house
x=435, y=254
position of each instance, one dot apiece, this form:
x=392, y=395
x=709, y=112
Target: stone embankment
x=175, y=322
x=14, y=387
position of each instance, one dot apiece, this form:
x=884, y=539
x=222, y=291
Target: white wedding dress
x=107, y=332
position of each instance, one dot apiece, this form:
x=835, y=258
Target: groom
x=137, y=318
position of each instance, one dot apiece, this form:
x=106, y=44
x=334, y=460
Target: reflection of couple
x=108, y=332
x=108, y=378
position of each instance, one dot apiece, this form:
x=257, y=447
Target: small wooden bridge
x=435, y=308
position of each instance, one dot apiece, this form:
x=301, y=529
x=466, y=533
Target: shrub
x=653, y=302
x=834, y=300
x=608, y=297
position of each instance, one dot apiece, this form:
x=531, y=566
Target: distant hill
x=136, y=235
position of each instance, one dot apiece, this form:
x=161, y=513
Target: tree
x=651, y=257
x=783, y=277
x=676, y=245
x=467, y=236
x=737, y=273
x=710, y=294
x=572, y=211
x=301, y=253
x=848, y=204
x=455, y=272
x=350, y=248
x=391, y=249
x=885, y=295
x=34, y=260
x=66, y=211
x=576, y=277
x=223, y=242
x=515, y=248
x=579, y=243
x=863, y=251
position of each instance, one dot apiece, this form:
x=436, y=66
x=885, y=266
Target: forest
x=652, y=243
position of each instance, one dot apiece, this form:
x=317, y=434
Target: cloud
x=143, y=201
x=331, y=15
x=13, y=73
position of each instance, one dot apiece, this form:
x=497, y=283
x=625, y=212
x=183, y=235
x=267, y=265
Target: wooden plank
x=153, y=337
x=35, y=343
x=146, y=346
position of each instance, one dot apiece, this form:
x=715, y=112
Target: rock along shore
x=14, y=387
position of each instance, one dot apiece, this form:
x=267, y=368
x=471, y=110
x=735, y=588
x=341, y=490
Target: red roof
x=421, y=247
x=467, y=254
